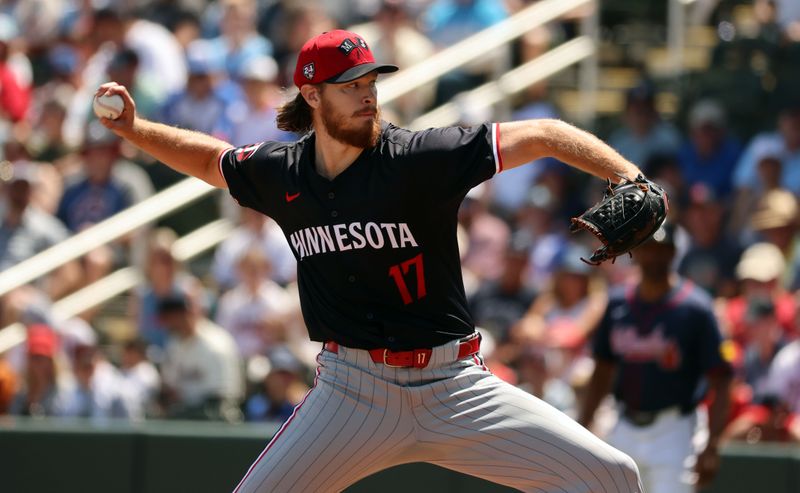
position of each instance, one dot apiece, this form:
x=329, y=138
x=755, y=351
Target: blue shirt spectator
x=86, y=203
x=239, y=40
x=202, y=104
x=710, y=154
x=644, y=135
x=746, y=174
x=785, y=143
x=98, y=194
x=449, y=21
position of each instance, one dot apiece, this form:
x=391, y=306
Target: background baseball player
x=655, y=344
x=369, y=210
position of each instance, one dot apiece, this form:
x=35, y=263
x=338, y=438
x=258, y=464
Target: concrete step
x=610, y=102
x=618, y=77
x=702, y=37
x=659, y=62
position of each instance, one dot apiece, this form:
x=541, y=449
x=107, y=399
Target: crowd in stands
x=227, y=341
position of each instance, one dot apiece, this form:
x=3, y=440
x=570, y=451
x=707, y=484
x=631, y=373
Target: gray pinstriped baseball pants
x=361, y=417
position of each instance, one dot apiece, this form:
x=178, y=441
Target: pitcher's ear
x=312, y=93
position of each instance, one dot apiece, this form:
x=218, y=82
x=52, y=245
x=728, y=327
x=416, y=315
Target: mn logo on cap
x=347, y=46
x=308, y=70
x=362, y=43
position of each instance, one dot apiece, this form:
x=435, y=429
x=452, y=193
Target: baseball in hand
x=106, y=106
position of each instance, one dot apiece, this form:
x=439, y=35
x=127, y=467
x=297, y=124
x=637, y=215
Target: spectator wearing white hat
x=774, y=219
x=140, y=377
x=759, y=271
x=202, y=371
x=100, y=392
x=281, y=388
x=786, y=141
x=768, y=155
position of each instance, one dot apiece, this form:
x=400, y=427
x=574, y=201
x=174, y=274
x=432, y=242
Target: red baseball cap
x=336, y=56
x=42, y=341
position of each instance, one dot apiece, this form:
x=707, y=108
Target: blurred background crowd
x=222, y=337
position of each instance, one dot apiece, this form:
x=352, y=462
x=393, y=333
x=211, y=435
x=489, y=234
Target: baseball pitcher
x=369, y=210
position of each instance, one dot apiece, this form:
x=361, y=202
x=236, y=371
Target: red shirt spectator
x=14, y=98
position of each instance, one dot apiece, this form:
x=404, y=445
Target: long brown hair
x=295, y=116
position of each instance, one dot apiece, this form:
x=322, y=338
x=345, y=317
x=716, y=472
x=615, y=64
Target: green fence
x=153, y=457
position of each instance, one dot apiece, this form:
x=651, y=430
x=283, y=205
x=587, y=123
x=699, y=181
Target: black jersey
x=378, y=263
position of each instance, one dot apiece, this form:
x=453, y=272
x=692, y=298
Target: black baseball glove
x=627, y=216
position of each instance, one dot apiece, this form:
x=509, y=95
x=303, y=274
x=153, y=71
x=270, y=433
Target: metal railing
x=159, y=205
x=677, y=21
x=525, y=75
x=192, y=189
x=120, y=281
x=476, y=46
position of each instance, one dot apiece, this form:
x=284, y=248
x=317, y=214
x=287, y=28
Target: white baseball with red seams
x=108, y=106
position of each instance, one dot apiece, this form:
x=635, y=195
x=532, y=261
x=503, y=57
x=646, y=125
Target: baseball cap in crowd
x=261, y=68
x=42, y=341
x=336, y=56
x=568, y=260
x=762, y=262
x=203, y=57
x=699, y=194
x=9, y=29
x=643, y=93
x=125, y=58
x=173, y=302
x=76, y=333
x=768, y=148
x=776, y=209
x=96, y=135
x=282, y=359
x=63, y=59
x=707, y=112
x=665, y=235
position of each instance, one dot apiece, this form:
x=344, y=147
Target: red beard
x=363, y=134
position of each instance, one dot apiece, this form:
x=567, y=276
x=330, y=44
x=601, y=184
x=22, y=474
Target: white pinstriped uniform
x=361, y=417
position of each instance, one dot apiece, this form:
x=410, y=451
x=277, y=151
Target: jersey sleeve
x=455, y=159
x=601, y=341
x=253, y=174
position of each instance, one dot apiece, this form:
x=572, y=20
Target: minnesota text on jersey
x=352, y=236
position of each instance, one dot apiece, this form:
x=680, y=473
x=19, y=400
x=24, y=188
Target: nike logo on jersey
x=289, y=198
